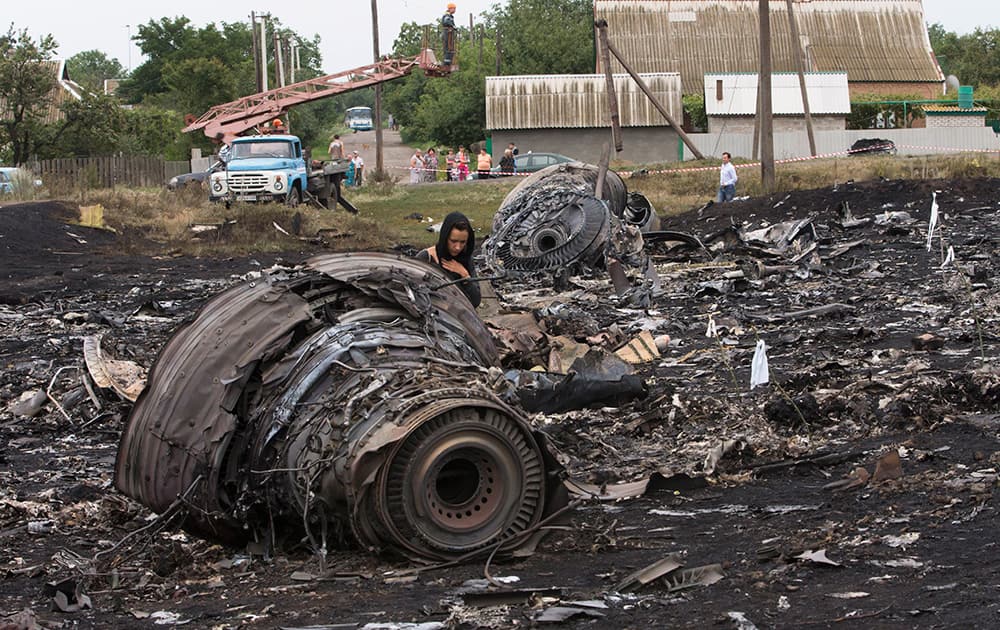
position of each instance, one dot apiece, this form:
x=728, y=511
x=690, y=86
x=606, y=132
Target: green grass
x=477, y=200
x=163, y=218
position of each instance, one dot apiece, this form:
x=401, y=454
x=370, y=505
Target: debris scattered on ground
x=700, y=466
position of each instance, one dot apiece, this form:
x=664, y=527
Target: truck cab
x=261, y=169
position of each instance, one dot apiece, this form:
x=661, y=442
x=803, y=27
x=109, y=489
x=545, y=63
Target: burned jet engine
x=553, y=219
x=351, y=394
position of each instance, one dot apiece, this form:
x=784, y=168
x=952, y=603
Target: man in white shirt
x=359, y=168
x=727, y=180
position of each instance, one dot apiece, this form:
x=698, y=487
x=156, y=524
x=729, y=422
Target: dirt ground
x=766, y=483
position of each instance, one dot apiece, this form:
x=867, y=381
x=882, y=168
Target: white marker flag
x=932, y=224
x=712, y=331
x=758, y=367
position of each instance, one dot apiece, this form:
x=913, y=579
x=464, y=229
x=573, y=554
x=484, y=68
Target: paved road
x=395, y=154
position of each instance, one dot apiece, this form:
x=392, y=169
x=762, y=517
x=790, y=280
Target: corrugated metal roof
x=578, y=101
x=828, y=93
x=871, y=40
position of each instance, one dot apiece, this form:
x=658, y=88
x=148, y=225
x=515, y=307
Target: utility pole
x=279, y=66
x=799, y=63
x=263, y=51
x=293, y=59
x=602, y=24
x=756, y=124
x=379, y=172
x=256, y=53
x=609, y=85
x=766, y=122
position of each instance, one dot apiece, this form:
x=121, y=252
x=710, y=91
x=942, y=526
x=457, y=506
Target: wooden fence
x=108, y=172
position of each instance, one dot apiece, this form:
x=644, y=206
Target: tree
x=452, y=111
x=197, y=84
x=90, y=126
x=159, y=41
x=546, y=36
x=91, y=68
x=151, y=130
x=973, y=58
x=27, y=80
x=537, y=37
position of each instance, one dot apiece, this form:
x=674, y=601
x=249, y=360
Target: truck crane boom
x=232, y=119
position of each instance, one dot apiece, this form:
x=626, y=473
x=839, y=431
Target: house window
x=718, y=89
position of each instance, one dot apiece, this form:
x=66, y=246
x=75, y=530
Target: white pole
x=263, y=53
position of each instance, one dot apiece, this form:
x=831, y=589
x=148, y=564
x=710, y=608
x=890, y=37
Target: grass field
x=158, y=217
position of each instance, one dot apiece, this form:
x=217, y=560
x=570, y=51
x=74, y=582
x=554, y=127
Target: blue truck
x=274, y=168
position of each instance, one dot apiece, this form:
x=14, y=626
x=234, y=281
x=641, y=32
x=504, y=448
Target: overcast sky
x=344, y=25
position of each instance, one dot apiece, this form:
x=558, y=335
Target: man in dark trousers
x=448, y=33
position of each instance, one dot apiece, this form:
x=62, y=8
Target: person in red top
x=462, y=164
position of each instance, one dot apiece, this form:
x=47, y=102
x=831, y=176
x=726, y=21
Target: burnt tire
x=294, y=197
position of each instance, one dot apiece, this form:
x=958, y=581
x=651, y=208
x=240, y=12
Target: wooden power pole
x=799, y=65
x=766, y=121
x=379, y=165
x=609, y=83
x=602, y=25
x=256, y=54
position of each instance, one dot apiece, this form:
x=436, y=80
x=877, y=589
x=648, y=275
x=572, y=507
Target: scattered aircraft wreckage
x=557, y=220
x=357, y=393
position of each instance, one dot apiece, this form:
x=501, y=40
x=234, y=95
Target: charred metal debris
x=557, y=223
x=352, y=394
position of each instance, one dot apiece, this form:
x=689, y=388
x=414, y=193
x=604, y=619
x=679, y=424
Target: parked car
x=11, y=178
x=868, y=146
x=531, y=162
x=194, y=179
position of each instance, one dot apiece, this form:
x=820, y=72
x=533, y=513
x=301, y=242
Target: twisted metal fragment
x=349, y=397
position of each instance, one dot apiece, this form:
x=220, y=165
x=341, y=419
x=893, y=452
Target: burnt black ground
x=919, y=548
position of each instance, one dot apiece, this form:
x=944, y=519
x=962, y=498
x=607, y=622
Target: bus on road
x=359, y=118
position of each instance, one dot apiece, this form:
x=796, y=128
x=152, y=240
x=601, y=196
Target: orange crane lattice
x=236, y=117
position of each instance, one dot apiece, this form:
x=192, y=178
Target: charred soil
x=854, y=489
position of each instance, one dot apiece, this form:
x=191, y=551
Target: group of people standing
x=426, y=166
x=423, y=166
x=356, y=169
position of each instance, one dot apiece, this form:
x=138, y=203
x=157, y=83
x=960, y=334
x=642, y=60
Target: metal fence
x=107, y=172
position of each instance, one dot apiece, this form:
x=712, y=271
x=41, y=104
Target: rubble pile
x=800, y=428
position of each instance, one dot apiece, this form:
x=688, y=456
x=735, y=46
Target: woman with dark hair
x=453, y=253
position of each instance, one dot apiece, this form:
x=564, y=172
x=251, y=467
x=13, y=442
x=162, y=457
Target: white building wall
x=828, y=93
x=744, y=124
x=796, y=145
x=955, y=121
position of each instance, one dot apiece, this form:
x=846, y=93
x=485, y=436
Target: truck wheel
x=294, y=197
